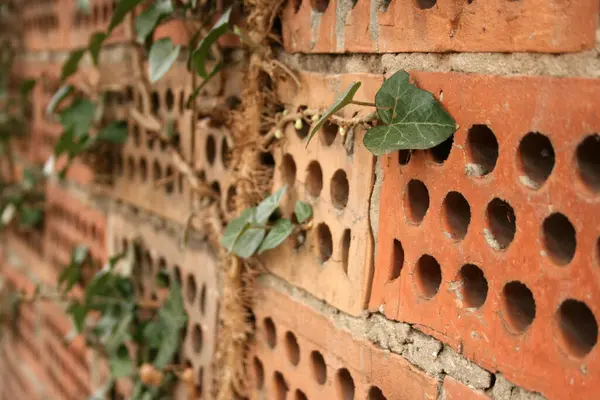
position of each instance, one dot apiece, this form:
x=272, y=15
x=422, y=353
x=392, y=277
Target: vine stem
x=363, y=103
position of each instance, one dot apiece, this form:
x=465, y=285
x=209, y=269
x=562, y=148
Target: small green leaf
x=80, y=254
x=412, y=117
x=123, y=7
x=27, y=86
x=30, y=216
x=303, y=211
x=268, y=206
x=337, y=105
x=115, y=132
x=193, y=96
x=57, y=98
x=72, y=63
x=198, y=57
x=162, y=56
x=149, y=18
x=95, y=45
x=235, y=228
x=249, y=241
x=78, y=117
x=65, y=142
x=84, y=5
x=29, y=179
x=78, y=313
x=280, y=231
x=120, y=363
x=172, y=319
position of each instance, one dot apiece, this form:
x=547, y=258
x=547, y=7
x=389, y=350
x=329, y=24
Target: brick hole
x=328, y=133
x=119, y=164
x=156, y=171
x=416, y=201
x=299, y=395
x=292, y=349
x=456, y=215
x=170, y=185
x=297, y=4
x=259, y=373
x=178, y=275
x=270, y=332
x=137, y=137
x=500, y=224
x=428, y=276
x=559, y=238
x=199, y=382
x=404, y=157
x=397, y=260
x=203, y=299
x=95, y=15
x=319, y=5
x=318, y=367
x=375, y=394
x=578, y=327
x=426, y=4
x=482, y=150
x=225, y=153
x=288, y=169
x=216, y=187
x=211, y=149
x=129, y=94
x=303, y=131
x=314, y=179
x=345, y=245
x=191, y=288
x=441, y=152
x=473, y=286
x=176, y=141
x=169, y=99
x=588, y=162
x=143, y=170
x=384, y=5
x=231, y=198
x=598, y=251
x=180, y=183
x=197, y=338
x=340, y=189
x=162, y=265
x=535, y=159
x=281, y=386
x=344, y=385
x=325, y=242
x=131, y=168
x=519, y=305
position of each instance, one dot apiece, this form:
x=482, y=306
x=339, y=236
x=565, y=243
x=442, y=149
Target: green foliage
x=199, y=55
x=72, y=63
x=162, y=56
x=95, y=44
x=61, y=94
x=303, y=211
x=123, y=8
x=84, y=5
x=280, y=231
x=146, y=22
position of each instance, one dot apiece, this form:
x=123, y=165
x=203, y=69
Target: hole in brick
x=588, y=162
x=197, y=338
x=339, y=189
x=291, y=348
x=259, y=373
x=303, y=131
x=519, y=304
x=319, y=5
x=191, y=288
x=281, y=386
x=325, y=242
x=216, y=187
x=156, y=171
x=211, y=149
x=299, y=395
x=473, y=286
x=203, y=299
x=137, y=137
x=456, y=215
x=385, y=5
x=536, y=159
x=578, y=327
x=416, y=201
x=169, y=99
x=441, y=152
x=170, y=185
x=225, y=155
x=501, y=224
x=231, y=196
x=143, y=170
x=328, y=133
x=482, y=149
x=397, y=260
x=404, y=157
x=297, y=4
x=346, y=239
x=288, y=170
x=375, y=394
x=314, y=179
x=559, y=238
x=428, y=276
x=180, y=183
x=426, y=4
x=155, y=102
x=131, y=168
x=270, y=332
x=199, y=382
x=344, y=385
x=119, y=162
x=318, y=367
x=178, y=275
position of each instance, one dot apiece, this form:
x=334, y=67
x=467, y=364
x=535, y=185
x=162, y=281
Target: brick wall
x=467, y=271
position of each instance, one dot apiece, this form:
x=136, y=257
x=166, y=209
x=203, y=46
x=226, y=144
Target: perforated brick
x=337, y=26
x=298, y=352
x=97, y=20
x=45, y=23
x=489, y=241
x=196, y=271
x=334, y=174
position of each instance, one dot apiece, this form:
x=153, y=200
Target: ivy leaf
x=78, y=313
x=341, y=102
x=115, y=132
x=249, y=241
x=123, y=7
x=268, y=206
x=193, y=96
x=235, y=227
x=84, y=5
x=149, y=18
x=412, y=117
x=280, y=231
x=162, y=56
x=198, y=57
x=65, y=142
x=95, y=44
x=80, y=254
x=78, y=116
x=27, y=86
x=72, y=63
x=30, y=216
x=120, y=363
x=172, y=317
x=303, y=211
x=57, y=98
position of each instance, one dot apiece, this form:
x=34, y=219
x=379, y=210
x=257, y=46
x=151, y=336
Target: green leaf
x=27, y=86
x=57, y=98
x=95, y=44
x=268, y=206
x=84, y=5
x=65, y=142
x=29, y=179
x=78, y=117
x=78, y=313
x=149, y=18
x=249, y=241
x=412, y=117
x=172, y=317
x=80, y=254
x=235, y=227
x=280, y=231
x=337, y=105
x=30, y=216
x=193, y=96
x=162, y=56
x=120, y=363
x=303, y=211
x=120, y=333
x=115, y=132
x=123, y=7
x=198, y=57
x=72, y=63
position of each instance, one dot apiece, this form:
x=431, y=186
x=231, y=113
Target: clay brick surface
x=455, y=390
x=298, y=351
x=334, y=261
x=536, y=26
x=489, y=242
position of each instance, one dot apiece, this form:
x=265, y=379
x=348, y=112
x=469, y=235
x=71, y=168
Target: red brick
x=538, y=358
x=456, y=390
